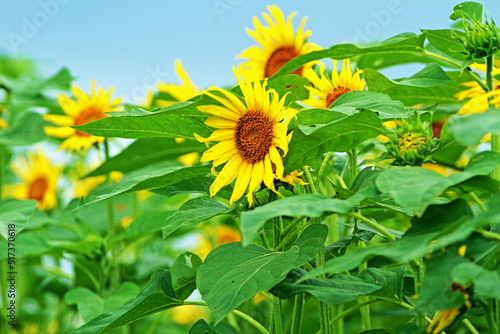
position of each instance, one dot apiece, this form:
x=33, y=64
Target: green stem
x=470, y=326
x=418, y=275
x=293, y=224
x=478, y=201
x=321, y=170
x=379, y=228
x=309, y=179
x=349, y=311
x=488, y=234
x=288, y=237
x=251, y=321
x=277, y=316
x=495, y=137
x=298, y=311
x=353, y=164
x=495, y=147
x=489, y=73
x=323, y=307
x=365, y=310
x=337, y=326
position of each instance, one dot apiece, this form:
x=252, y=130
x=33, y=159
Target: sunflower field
x=315, y=195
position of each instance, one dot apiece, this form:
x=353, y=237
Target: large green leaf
x=233, y=274
x=180, y=120
x=468, y=10
x=156, y=296
x=27, y=130
x=443, y=222
x=469, y=129
x=199, y=185
x=398, y=45
x=486, y=282
x=183, y=273
x=414, y=188
x=145, y=151
x=430, y=76
x=202, y=327
x=310, y=242
x=309, y=205
x=193, y=213
x=152, y=177
x=382, y=104
x=15, y=212
x=309, y=143
x=337, y=289
x=448, y=42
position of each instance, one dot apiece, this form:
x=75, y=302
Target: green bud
x=411, y=143
x=481, y=39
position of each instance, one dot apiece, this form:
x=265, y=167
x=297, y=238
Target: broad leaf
x=202, y=327
x=193, y=213
x=183, y=274
x=15, y=212
x=485, y=282
x=380, y=103
x=309, y=205
x=145, y=151
x=233, y=274
x=470, y=10
x=310, y=242
x=27, y=130
x=469, y=129
x=309, y=143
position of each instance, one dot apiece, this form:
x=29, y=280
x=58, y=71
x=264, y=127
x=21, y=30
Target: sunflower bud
x=411, y=143
x=481, y=39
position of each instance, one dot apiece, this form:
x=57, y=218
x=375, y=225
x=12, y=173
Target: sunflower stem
x=470, y=326
x=310, y=180
x=277, y=316
x=379, y=228
x=298, y=311
x=321, y=170
x=353, y=165
x=418, y=275
x=250, y=320
x=365, y=310
x=495, y=137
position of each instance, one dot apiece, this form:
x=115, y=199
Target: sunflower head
x=325, y=90
x=278, y=44
x=481, y=39
x=251, y=135
x=39, y=180
x=411, y=142
x=84, y=109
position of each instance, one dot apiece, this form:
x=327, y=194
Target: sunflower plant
x=316, y=195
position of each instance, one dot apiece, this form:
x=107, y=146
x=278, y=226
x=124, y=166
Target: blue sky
x=132, y=44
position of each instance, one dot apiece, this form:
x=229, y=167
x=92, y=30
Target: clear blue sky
x=131, y=44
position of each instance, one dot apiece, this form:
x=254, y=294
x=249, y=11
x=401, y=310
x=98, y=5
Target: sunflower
x=278, y=44
x=324, y=90
x=86, y=108
x=249, y=135
x=479, y=100
x=178, y=92
x=40, y=179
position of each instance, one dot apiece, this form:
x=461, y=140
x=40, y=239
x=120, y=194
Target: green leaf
x=152, y=177
x=199, y=185
x=470, y=10
x=27, y=130
x=380, y=103
x=156, y=296
x=443, y=94
x=485, y=282
x=414, y=188
x=89, y=304
x=448, y=42
x=192, y=213
x=469, y=129
x=392, y=281
x=233, y=274
x=430, y=76
x=310, y=205
x=309, y=143
x=310, y=242
x=183, y=273
x=201, y=327
x=443, y=222
x=17, y=212
x=293, y=85
x=143, y=224
x=337, y=289
x=398, y=45
x=180, y=120
x=145, y=151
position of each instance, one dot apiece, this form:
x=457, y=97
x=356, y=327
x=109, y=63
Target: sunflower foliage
x=308, y=198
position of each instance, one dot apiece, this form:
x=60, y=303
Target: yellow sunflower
x=278, y=44
x=324, y=90
x=479, y=99
x=3, y=124
x=179, y=92
x=39, y=177
x=250, y=134
x=86, y=108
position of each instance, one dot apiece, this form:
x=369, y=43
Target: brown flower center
x=88, y=115
x=37, y=189
x=253, y=136
x=280, y=57
x=335, y=94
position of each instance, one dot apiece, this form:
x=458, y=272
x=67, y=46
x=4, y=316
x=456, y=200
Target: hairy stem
x=298, y=311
